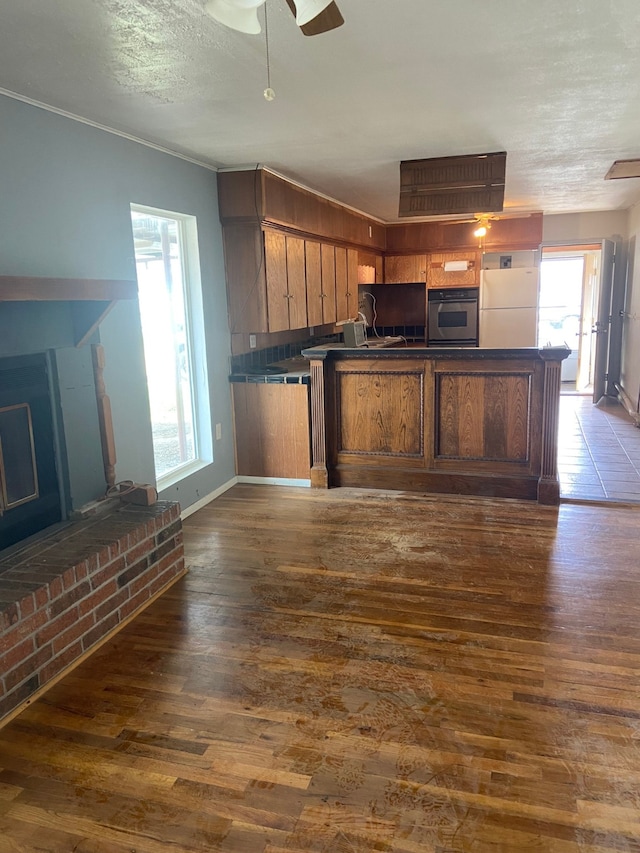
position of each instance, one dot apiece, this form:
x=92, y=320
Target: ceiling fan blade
x=329, y=19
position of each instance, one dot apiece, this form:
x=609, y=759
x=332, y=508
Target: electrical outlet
x=252, y=341
x=311, y=330
x=218, y=432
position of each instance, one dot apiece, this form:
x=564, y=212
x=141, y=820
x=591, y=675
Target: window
x=171, y=314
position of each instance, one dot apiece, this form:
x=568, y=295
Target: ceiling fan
x=312, y=16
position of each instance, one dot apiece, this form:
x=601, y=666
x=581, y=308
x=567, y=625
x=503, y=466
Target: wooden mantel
x=91, y=299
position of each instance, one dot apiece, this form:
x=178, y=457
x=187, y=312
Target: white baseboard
x=628, y=403
x=207, y=500
x=275, y=481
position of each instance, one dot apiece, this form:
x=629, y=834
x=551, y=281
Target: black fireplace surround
x=29, y=485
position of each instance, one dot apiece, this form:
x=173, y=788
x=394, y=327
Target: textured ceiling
x=556, y=85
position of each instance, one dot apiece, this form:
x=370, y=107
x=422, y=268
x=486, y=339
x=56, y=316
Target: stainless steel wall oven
x=452, y=318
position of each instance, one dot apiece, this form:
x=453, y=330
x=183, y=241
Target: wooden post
x=105, y=420
x=548, y=484
x=319, y=473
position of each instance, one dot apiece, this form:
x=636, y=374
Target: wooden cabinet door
x=296, y=283
x=272, y=430
x=246, y=289
x=314, y=282
x=328, y=283
x=405, y=269
x=352, y=283
x=275, y=255
x=439, y=277
x=342, y=309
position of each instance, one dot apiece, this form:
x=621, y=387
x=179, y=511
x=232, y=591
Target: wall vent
x=470, y=183
x=623, y=169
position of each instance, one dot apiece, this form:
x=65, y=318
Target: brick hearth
x=64, y=593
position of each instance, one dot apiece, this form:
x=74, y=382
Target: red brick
x=9, y=616
x=82, y=570
x=111, y=604
x=28, y=667
x=109, y=553
x=55, y=626
x=69, y=598
x=16, y=655
x=55, y=588
x=163, y=579
x=69, y=578
x=133, y=571
x=27, y=606
x=136, y=536
x=140, y=550
x=58, y=663
x=73, y=633
x=23, y=629
x=108, y=572
x=168, y=532
x=174, y=557
x=135, y=603
x=42, y=596
x=96, y=598
x=97, y=633
x=92, y=563
x=143, y=580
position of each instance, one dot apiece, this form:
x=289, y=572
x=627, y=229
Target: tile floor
x=598, y=451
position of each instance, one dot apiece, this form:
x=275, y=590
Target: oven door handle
x=443, y=302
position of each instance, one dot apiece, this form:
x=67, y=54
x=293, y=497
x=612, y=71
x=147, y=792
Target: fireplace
x=30, y=497
x=73, y=568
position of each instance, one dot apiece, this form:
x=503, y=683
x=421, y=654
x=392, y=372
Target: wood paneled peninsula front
x=457, y=421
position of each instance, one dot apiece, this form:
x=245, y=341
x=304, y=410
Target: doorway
x=568, y=310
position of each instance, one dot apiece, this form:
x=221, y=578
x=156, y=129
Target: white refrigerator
x=508, y=307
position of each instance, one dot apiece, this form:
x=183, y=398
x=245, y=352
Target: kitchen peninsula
x=446, y=420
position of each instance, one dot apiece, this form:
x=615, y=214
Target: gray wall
x=65, y=191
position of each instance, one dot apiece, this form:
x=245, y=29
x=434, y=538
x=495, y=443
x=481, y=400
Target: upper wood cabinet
x=285, y=281
x=405, y=269
x=266, y=279
x=439, y=276
x=321, y=283
x=352, y=283
x=245, y=274
x=346, y=283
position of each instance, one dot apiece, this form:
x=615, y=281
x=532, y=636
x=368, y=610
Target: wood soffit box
x=258, y=198
x=439, y=186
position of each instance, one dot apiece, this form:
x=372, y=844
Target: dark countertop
x=441, y=353
x=291, y=371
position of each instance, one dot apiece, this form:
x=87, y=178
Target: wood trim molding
x=29, y=289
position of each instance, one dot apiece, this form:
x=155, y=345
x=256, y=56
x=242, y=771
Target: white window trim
x=196, y=343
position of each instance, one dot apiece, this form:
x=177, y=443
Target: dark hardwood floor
x=347, y=672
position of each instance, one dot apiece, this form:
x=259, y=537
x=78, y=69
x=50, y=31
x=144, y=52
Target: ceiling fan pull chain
x=269, y=94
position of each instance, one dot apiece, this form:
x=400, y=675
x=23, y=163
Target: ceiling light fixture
x=241, y=15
